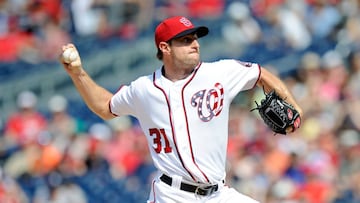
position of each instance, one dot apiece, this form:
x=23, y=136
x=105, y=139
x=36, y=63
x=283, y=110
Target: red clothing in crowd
x=25, y=127
x=205, y=8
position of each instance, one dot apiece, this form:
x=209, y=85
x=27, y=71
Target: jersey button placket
x=179, y=122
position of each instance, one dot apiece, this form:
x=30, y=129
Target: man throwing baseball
x=183, y=110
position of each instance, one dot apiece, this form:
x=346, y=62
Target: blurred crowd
x=54, y=156
x=317, y=164
x=32, y=30
x=43, y=152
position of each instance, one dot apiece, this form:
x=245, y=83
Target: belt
x=204, y=191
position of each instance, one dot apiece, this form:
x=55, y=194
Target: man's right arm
x=96, y=97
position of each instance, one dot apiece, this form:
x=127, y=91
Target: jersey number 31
x=158, y=134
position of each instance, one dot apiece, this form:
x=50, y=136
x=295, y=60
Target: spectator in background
x=32, y=21
x=86, y=19
x=61, y=123
x=53, y=35
x=127, y=149
x=167, y=8
x=4, y=15
x=348, y=36
x=349, y=169
x=288, y=28
x=7, y=48
x=349, y=7
x=241, y=30
x=137, y=15
x=124, y=19
x=110, y=13
x=75, y=155
x=100, y=134
x=25, y=33
x=322, y=18
x=25, y=125
x=24, y=130
x=260, y=7
x=134, y=16
x=53, y=9
x=10, y=190
x=316, y=188
x=15, y=42
x=197, y=9
x=68, y=193
x=205, y=9
x=336, y=75
x=311, y=77
x=62, y=128
x=351, y=93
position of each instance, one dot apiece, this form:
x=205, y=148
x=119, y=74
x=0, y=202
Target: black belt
x=204, y=191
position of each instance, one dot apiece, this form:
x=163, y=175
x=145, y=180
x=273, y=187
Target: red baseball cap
x=175, y=27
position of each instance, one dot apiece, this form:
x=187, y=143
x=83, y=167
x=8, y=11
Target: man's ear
x=164, y=47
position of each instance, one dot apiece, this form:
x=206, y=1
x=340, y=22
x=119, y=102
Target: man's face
x=185, y=51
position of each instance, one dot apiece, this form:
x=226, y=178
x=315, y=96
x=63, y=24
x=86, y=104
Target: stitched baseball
x=70, y=55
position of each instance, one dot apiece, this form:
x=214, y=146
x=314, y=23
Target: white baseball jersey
x=186, y=122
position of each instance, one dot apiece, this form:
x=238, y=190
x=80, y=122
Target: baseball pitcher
x=183, y=110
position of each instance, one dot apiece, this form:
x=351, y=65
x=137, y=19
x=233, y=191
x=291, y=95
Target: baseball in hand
x=69, y=55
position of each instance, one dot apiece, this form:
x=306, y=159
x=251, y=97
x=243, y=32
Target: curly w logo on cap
x=185, y=21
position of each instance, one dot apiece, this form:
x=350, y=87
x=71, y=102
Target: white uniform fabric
x=186, y=122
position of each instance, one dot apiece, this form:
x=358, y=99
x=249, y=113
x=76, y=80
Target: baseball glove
x=278, y=115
